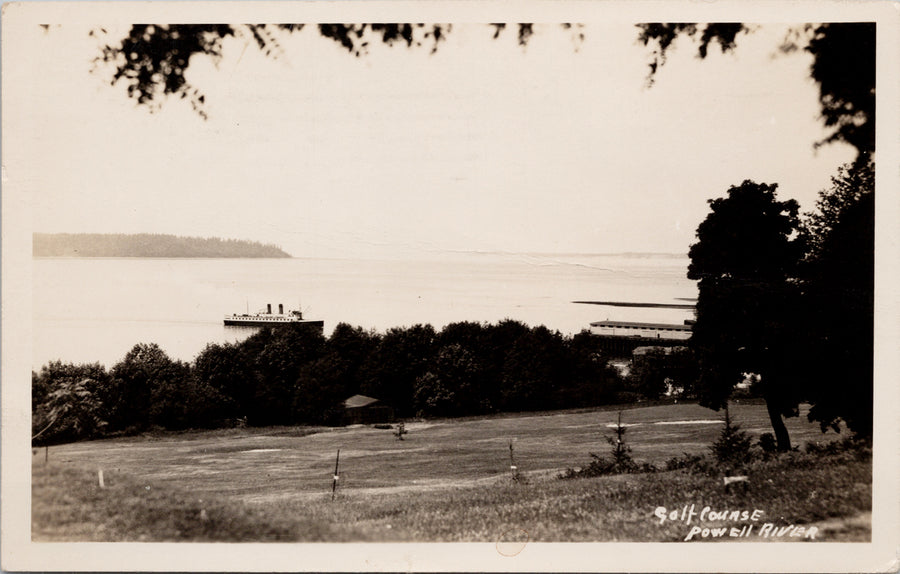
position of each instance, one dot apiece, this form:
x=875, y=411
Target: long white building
x=644, y=330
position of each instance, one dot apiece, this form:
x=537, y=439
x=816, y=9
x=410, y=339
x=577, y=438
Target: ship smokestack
x=269, y=308
x=280, y=309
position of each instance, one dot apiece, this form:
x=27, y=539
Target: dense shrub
x=390, y=371
x=145, y=389
x=733, y=447
x=767, y=443
x=850, y=447
x=687, y=461
x=619, y=461
x=67, y=402
x=225, y=370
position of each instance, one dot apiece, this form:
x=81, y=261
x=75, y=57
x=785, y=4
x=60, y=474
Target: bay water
x=95, y=310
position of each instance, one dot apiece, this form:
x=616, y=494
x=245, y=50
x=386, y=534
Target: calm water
x=88, y=310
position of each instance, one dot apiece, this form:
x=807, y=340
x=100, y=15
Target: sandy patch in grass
x=417, y=426
x=695, y=422
x=351, y=453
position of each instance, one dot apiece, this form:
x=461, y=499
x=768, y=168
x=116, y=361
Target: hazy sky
x=483, y=145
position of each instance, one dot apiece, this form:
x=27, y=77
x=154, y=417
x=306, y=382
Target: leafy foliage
x=620, y=452
x=747, y=237
x=321, y=387
x=838, y=275
x=664, y=35
x=149, y=388
x=695, y=463
x=843, y=67
x=732, y=447
x=67, y=402
x=747, y=254
x=278, y=367
x=659, y=370
x=767, y=443
x=836, y=246
x=152, y=60
x=851, y=186
x=857, y=448
x=356, y=38
x=765, y=279
x=620, y=461
x=528, y=372
x=225, y=370
x=392, y=369
x=449, y=386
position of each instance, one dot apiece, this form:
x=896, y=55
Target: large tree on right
x=819, y=346
x=745, y=262
x=838, y=281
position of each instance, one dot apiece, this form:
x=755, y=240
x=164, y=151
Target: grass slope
x=448, y=481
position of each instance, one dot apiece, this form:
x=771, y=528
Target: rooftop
x=357, y=401
x=631, y=325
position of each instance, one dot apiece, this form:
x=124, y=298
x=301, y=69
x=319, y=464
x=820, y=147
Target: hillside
x=448, y=480
x=146, y=245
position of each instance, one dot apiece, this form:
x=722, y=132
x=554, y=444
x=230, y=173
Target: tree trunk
x=782, y=438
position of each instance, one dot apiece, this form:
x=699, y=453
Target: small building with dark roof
x=360, y=409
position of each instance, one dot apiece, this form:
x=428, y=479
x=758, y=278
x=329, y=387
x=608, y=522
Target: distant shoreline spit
x=147, y=245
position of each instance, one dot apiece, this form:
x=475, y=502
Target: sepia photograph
x=514, y=291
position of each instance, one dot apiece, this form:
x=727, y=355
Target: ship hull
x=269, y=322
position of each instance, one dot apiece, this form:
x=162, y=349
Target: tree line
x=146, y=245
x=296, y=375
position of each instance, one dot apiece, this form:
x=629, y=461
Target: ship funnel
x=269, y=308
x=280, y=309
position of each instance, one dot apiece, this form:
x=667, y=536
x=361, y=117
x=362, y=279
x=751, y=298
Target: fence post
x=334, y=481
x=513, y=469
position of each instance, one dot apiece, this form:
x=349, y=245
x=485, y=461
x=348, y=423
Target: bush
x=626, y=397
x=733, y=447
x=849, y=447
x=768, y=444
x=690, y=462
x=68, y=402
x=619, y=463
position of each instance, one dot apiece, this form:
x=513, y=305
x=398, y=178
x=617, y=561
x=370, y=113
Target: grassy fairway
x=448, y=480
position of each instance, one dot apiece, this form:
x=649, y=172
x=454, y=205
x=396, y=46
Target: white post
x=100, y=476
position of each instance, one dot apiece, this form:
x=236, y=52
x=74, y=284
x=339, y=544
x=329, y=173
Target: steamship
x=269, y=319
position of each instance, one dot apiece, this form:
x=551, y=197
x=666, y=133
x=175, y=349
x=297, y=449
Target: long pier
x=644, y=305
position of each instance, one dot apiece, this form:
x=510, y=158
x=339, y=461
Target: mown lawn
x=447, y=481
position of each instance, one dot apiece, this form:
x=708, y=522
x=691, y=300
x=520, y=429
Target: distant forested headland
x=146, y=245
